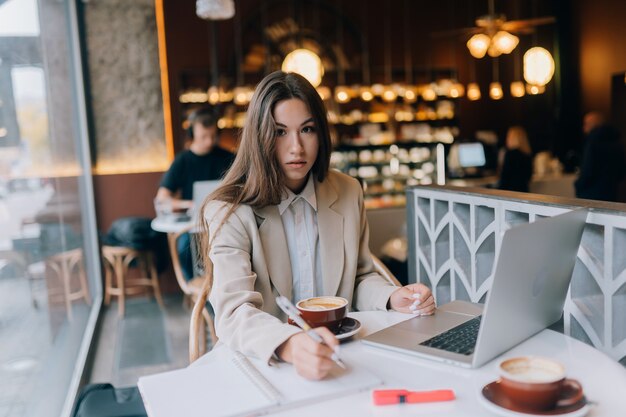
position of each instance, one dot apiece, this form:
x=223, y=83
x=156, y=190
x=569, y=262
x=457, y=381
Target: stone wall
x=125, y=85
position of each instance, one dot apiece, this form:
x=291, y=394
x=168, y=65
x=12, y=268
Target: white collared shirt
x=299, y=216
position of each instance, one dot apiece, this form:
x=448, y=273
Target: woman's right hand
x=311, y=359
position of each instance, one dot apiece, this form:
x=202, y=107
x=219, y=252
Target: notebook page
x=219, y=389
x=298, y=391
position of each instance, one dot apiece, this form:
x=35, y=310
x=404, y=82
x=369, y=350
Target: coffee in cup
x=323, y=311
x=538, y=384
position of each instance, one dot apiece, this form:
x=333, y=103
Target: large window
x=49, y=272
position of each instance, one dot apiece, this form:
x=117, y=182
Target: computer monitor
x=471, y=155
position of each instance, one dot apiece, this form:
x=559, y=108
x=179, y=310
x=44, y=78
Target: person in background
x=203, y=161
x=602, y=167
x=517, y=165
x=283, y=223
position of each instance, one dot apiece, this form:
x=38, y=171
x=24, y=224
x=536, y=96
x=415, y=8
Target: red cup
x=538, y=384
x=323, y=311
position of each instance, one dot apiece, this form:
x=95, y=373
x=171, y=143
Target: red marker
x=400, y=396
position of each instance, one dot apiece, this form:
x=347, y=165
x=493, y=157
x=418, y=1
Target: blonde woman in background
x=517, y=164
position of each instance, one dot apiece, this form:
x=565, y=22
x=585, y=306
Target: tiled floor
x=31, y=332
x=146, y=340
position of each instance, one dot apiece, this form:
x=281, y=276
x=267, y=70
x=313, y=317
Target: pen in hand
x=292, y=312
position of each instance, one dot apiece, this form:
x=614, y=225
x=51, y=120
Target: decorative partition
x=454, y=238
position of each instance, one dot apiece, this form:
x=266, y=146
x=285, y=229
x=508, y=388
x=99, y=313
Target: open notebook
x=233, y=385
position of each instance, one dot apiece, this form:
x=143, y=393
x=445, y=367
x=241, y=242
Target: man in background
x=602, y=167
x=203, y=161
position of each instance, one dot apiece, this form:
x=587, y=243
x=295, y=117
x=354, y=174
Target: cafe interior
x=95, y=97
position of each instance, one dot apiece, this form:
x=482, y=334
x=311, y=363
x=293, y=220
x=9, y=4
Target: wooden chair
x=65, y=266
x=196, y=293
x=117, y=262
x=384, y=271
x=200, y=321
x=190, y=288
x=197, y=332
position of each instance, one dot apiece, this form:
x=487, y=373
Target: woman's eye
x=308, y=129
x=280, y=132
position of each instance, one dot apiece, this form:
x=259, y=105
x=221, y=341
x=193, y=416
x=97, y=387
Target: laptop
x=530, y=284
x=201, y=189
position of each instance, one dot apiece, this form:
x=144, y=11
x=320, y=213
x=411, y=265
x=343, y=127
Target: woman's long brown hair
x=255, y=178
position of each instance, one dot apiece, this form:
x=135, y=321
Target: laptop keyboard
x=460, y=339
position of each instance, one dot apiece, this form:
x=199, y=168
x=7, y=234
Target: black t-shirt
x=188, y=168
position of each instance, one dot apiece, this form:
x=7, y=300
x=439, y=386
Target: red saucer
x=493, y=393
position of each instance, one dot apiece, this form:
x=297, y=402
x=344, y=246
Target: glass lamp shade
x=505, y=42
x=478, y=45
x=215, y=9
x=366, y=94
x=305, y=63
x=213, y=95
x=342, y=94
x=324, y=92
x=473, y=92
x=495, y=90
x=533, y=90
x=493, y=51
x=389, y=94
x=241, y=96
x=456, y=90
x=429, y=93
x=538, y=66
x=517, y=89
x=410, y=95
x=378, y=89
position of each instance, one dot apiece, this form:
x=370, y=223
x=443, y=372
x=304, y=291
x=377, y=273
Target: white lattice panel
x=454, y=239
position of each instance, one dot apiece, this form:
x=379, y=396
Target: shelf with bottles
x=385, y=170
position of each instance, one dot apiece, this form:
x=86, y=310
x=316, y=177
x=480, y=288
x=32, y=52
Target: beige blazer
x=251, y=265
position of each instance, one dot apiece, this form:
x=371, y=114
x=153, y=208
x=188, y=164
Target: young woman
x=283, y=224
x=517, y=165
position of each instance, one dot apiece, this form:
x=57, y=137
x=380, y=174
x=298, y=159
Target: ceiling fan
x=494, y=34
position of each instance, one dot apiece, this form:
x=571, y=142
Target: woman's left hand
x=413, y=298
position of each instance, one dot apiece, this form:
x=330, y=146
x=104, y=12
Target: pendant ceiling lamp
x=478, y=45
x=215, y=9
x=495, y=88
x=302, y=60
x=538, y=66
x=305, y=63
x=473, y=91
x=389, y=93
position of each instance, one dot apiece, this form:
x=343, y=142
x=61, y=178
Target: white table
x=169, y=224
x=603, y=379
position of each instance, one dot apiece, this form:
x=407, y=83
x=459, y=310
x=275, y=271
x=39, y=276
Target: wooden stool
x=117, y=260
x=64, y=265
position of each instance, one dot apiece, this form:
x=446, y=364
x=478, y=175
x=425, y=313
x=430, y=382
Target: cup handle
x=574, y=392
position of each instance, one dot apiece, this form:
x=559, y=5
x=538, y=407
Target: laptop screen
x=201, y=189
x=471, y=155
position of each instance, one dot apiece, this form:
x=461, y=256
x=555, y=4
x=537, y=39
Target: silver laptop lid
x=530, y=284
x=201, y=189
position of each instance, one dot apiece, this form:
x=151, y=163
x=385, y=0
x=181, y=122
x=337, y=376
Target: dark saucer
x=348, y=327
x=493, y=393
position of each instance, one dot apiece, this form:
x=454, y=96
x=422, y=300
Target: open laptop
x=530, y=283
x=201, y=189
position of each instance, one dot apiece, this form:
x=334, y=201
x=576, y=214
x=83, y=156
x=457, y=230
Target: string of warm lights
x=538, y=71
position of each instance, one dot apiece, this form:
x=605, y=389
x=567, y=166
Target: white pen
x=290, y=310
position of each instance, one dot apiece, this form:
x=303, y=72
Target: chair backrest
x=384, y=271
x=197, y=341
x=178, y=271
